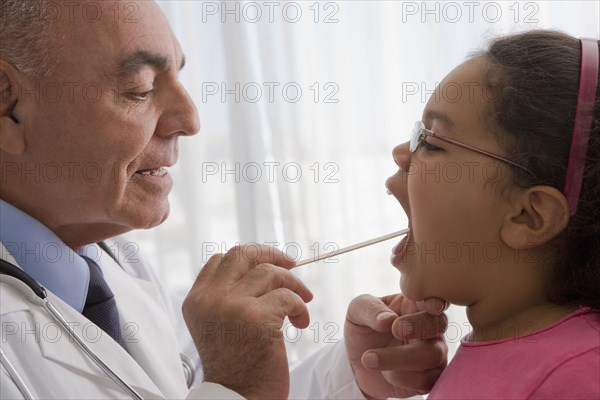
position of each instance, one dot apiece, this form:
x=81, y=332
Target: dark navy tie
x=100, y=305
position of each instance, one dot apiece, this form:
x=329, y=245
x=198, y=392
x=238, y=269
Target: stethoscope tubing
x=58, y=317
x=17, y=273
x=14, y=375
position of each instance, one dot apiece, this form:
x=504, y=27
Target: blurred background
x=301, y=104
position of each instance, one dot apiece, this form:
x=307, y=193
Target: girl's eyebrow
x=441, y=117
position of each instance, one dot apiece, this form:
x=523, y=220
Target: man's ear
x=540, y=213
x=12, y=129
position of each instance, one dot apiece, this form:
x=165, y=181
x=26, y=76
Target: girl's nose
x=401, y=155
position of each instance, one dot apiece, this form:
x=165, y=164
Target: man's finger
x=419, y=326
x=283, y=302
x=209, y=268
x=367, y=310
x=240, y=259
x=267, y=277
x=416, y=356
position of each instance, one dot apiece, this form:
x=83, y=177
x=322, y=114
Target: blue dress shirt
x=44, y=256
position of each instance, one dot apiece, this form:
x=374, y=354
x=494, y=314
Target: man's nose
x=401, y=155
x=181, y=115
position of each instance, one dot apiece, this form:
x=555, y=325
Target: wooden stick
x=352, y=248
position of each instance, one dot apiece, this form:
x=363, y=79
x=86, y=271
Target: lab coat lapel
x=147, y=332
x=5, y=255
x=151, y=363
x=55, y=344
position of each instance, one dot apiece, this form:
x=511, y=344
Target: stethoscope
x=12, y=270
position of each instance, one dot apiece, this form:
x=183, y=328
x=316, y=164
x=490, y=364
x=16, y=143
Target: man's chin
x=141, y=213
x=153, y=219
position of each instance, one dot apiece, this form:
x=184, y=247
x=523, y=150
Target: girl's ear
x=540, y=214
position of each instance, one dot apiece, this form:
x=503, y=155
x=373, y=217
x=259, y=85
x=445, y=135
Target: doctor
x=91, y=111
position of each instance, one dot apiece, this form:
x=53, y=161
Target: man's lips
x=159, y=172
x=156, y=168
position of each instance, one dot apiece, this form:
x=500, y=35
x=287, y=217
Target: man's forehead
x=97, y=11
x=117, y=39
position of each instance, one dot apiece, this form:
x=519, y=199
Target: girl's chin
x=409, y=289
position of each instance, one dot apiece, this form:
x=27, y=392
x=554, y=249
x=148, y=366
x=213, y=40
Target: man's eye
x=140, y=96
x=428, y=146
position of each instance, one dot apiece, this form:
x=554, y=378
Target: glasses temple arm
x=478, y=150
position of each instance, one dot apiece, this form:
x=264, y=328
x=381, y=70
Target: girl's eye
x=428, y=146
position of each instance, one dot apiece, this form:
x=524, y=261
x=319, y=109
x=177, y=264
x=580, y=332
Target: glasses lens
x=415, y=136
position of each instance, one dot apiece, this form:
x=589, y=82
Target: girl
x=501, y=186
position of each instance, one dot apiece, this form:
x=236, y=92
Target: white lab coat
x=52, y=366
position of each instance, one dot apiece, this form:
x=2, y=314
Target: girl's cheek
x=420, y=194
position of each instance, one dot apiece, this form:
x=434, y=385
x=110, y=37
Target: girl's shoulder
x=576, y=378
x=581, y=326
x=538, y=365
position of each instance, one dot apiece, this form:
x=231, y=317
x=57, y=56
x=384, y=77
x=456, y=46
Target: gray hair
x=25, y=36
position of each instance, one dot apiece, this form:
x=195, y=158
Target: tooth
x=155, y=172
x=159, y=172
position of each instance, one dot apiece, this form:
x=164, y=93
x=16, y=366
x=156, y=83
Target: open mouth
x=158, y=172
x=400, y=247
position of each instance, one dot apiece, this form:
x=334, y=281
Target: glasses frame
x=420, y=133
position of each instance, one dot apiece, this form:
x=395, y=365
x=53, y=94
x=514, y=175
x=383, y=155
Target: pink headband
x=588, y=80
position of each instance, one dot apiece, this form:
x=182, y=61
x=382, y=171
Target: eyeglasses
x=420, y=133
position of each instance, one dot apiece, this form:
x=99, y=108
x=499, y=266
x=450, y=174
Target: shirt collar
x=41, y=254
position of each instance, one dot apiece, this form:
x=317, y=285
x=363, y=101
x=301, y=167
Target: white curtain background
x=301, y=104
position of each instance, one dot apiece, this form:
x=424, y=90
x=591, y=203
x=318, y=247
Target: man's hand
x=235, y=311
x=395, y=346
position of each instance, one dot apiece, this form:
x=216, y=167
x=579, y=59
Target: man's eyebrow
x=441, y=117
x=135, y=62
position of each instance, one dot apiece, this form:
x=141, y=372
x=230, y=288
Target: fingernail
x=384, y=315
x=370, y=360
x=444, y=307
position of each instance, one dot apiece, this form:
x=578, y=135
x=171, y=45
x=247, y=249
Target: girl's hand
x=396, y=346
